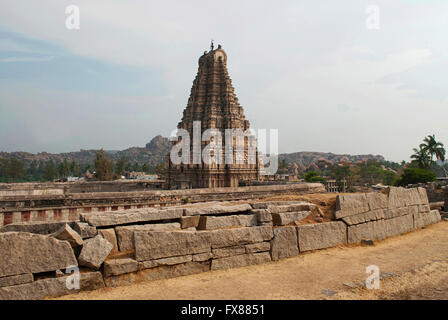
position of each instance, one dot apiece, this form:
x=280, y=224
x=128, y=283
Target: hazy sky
x=312, y=69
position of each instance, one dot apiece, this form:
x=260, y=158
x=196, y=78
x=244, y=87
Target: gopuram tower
x=214, y=105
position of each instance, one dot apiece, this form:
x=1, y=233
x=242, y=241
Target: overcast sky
x=312, y=69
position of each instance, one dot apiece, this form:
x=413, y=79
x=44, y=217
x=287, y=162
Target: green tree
x=282, y=167
x=104, y=167
x=120, y=166
x=146, y=168
x=313, y=176
x=50, y=172
x=75, y=170
x=421, y=157
x=415, y=175
x=15, y=170
x=64, y=169
x=434, y=148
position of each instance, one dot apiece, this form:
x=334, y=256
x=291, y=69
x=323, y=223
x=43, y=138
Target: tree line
x=103, y=168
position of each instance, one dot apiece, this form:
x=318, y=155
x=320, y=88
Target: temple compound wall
x=116, y=248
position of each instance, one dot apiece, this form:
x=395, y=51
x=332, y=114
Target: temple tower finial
x=211, y=46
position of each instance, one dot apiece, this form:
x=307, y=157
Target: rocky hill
x=154, y=153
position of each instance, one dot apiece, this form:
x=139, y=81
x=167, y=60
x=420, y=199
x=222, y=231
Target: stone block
x=374, y=230
x=422, y=219
x=51, y=287
x=202, y=257
x=94, y=252
x=189, y=222
x=115, y=267
x=396, y=212
x=377, y=200
x=263, y=215
x=166, y=261
x=258, y=247
x=125, y=234
x=22, y=252
x=211, y=222
x=109, y=235
x=399, y=225
x=240, y=261
x=364, y=217
x=423, y=196
x=295, y=207
x=217, y=209
x=68, y=234
x=284, y=244
x=158, y=273
x=284, y=218
x=116, y=218
x=85, y=230
x=16, y=280
x=44, y=228
x=351, y=204
x=238, y=236
x=150, y=245
x=228, y=251
x=321, y=235
x=398, y=197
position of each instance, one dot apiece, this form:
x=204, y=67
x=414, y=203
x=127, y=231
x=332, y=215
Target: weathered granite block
x=258, y=247
x=351, y=204
x=125, y=234
x=422, y=219
x=202, y=257
x=295, y=207
x=211, y=222
x=94, y=252
x=377, y=200
x=150, y=245
x=374, y=230
x=237, y=236
x=364, y=217
x=263, y=215
x=166, y=261
x=189, y=222
x=85, y=230
x=399, y=225
x=115, y=267
x=16, y=280
x=52, y=287
x=396, y=212
x=158, y=273
x=217, y=209
x=228, y=251
x=43, y=228
x=240, y=260
x=284, y=244
x=22, y=252
x=321, y=235
x=109, y=235
x=115, y=218
x=284, y=218
x=68, y=234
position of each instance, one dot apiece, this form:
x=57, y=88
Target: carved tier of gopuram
x=214, y=105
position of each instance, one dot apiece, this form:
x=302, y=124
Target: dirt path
x=418, y=262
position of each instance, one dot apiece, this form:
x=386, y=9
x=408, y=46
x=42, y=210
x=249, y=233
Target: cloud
x=26, y=59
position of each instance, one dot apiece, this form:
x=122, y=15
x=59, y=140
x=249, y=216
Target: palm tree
x=434, y=148
x=421, y=156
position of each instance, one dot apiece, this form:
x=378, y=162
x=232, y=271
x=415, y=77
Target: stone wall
x=68, y=206
x=122, y=247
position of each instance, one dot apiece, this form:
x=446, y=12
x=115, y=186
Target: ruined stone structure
x=213, y=102
x=121, y=247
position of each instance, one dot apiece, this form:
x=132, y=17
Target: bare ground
x=416, y=263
